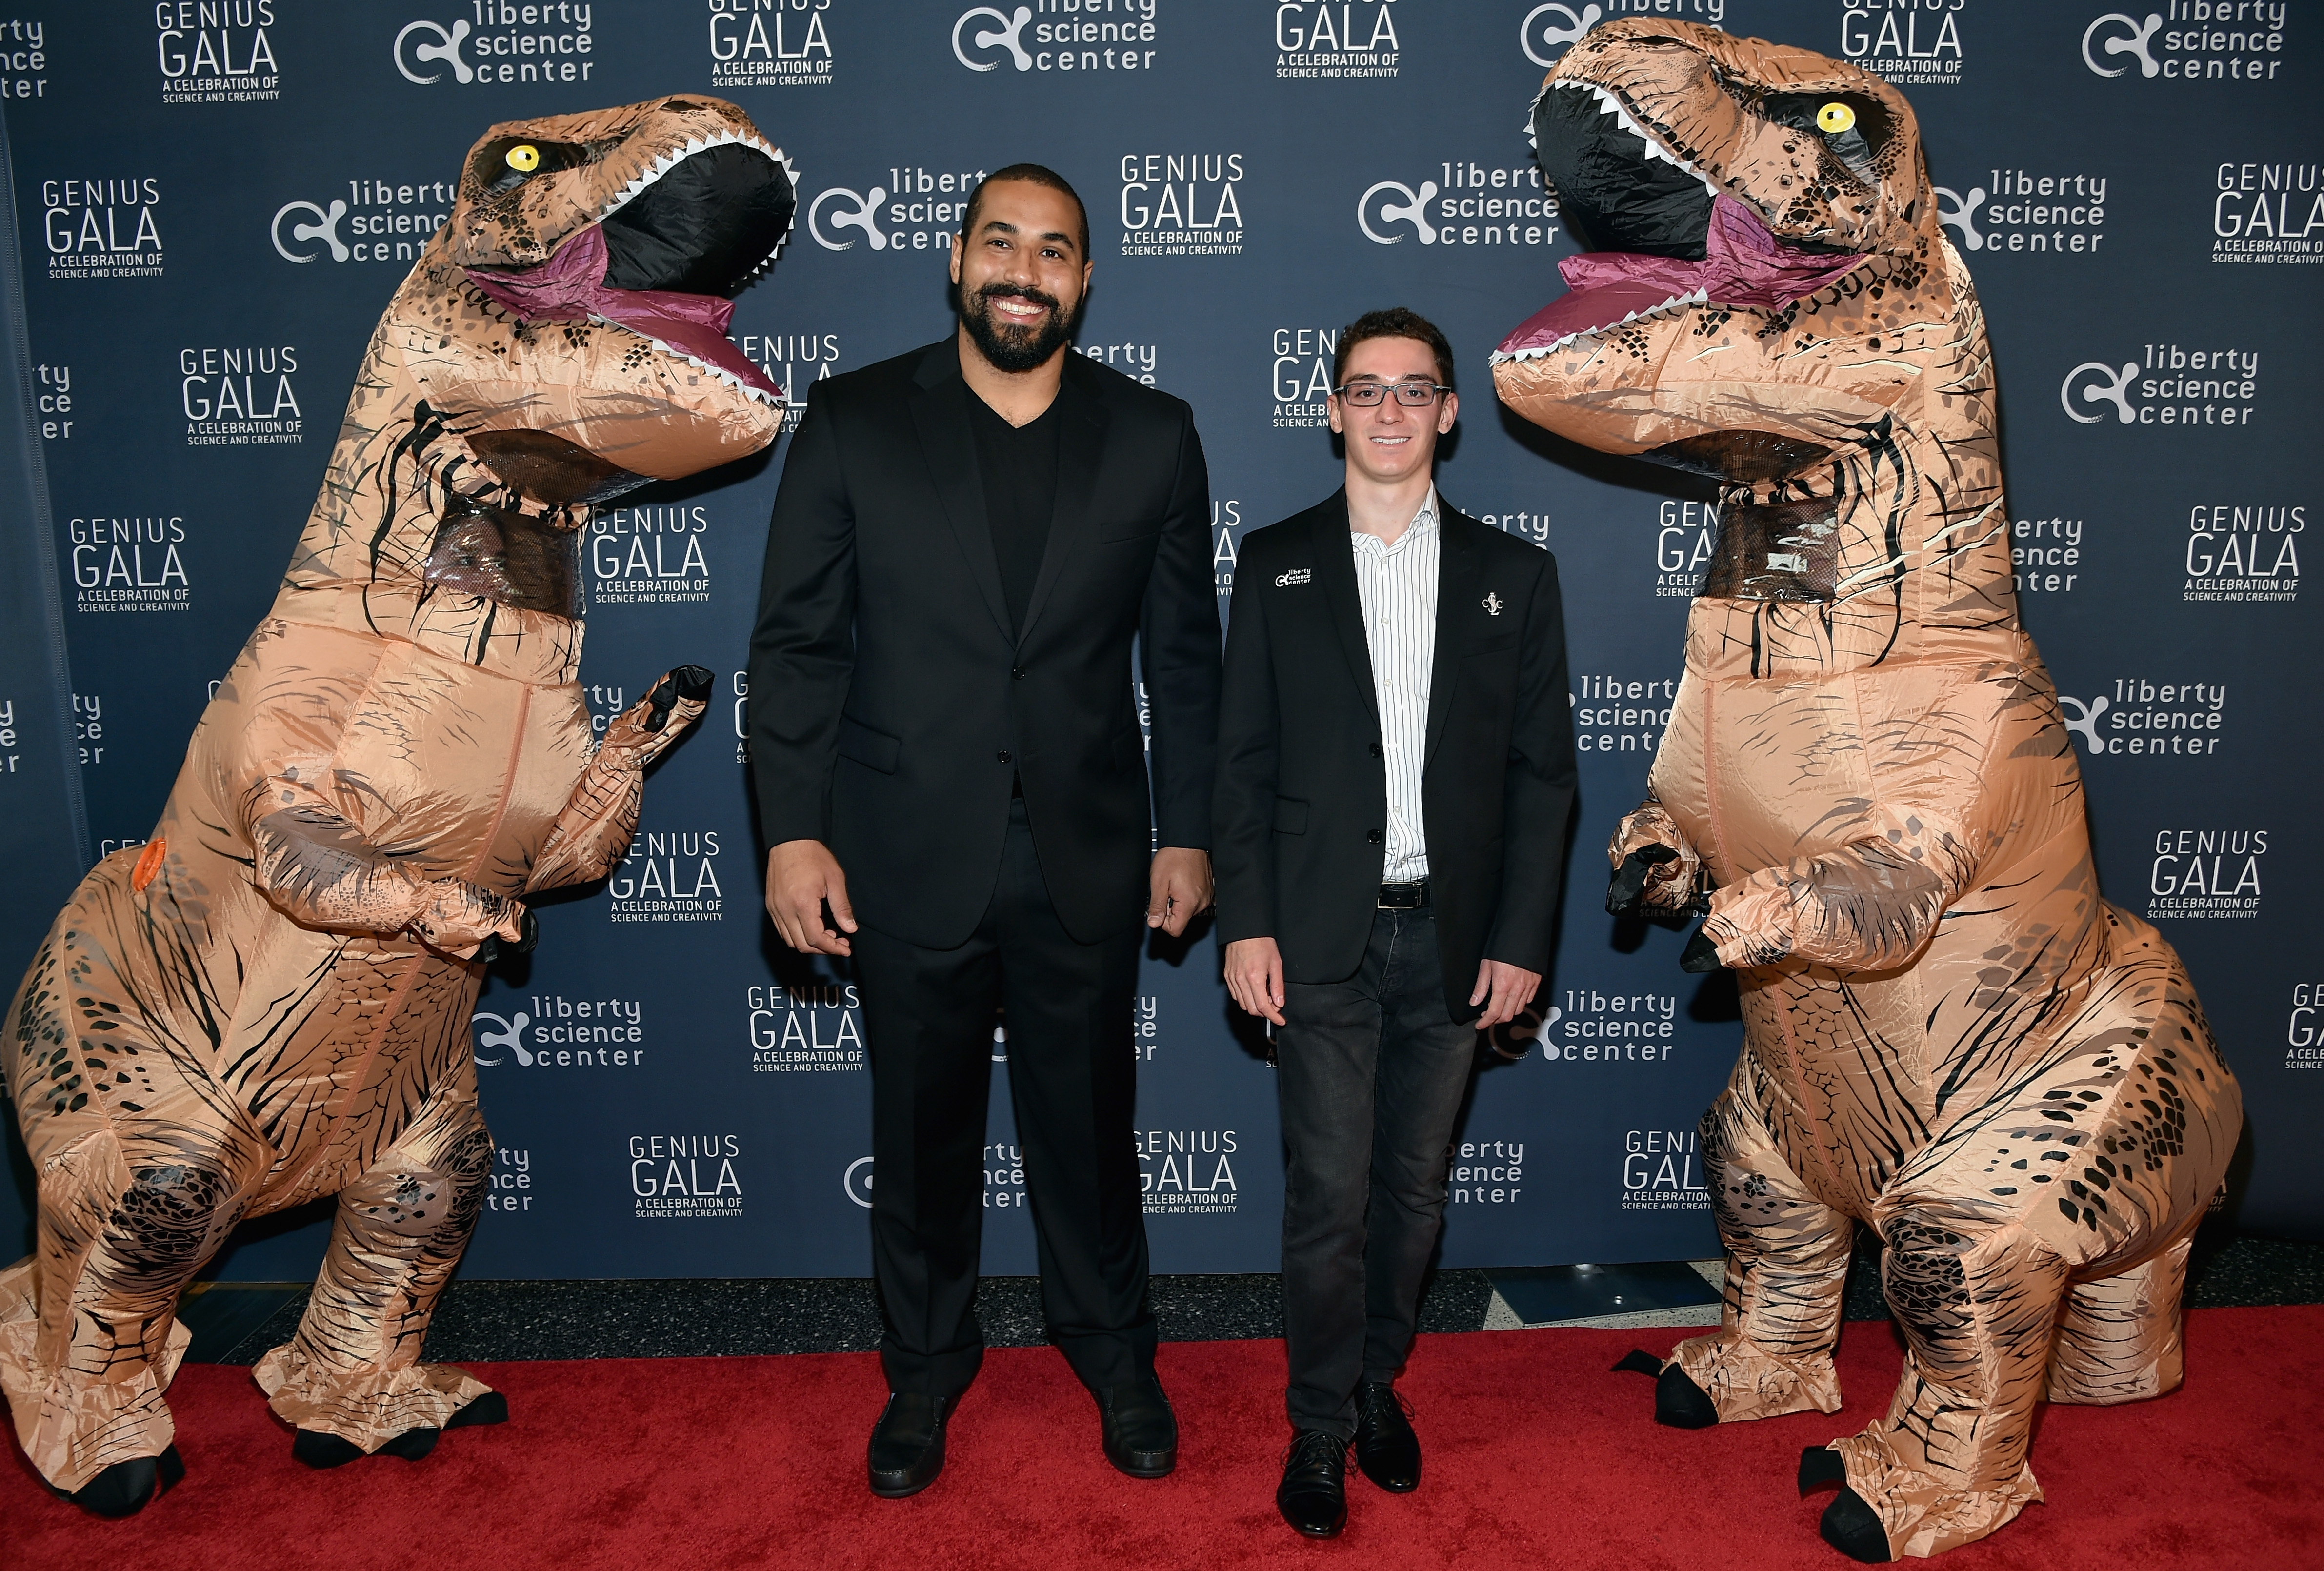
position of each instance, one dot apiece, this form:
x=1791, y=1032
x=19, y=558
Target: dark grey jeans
x=1371, y=1074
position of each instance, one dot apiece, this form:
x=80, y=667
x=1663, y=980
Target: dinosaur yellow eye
x=1831, y=120
x=524, y=158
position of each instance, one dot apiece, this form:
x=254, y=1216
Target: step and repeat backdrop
x=214, y=200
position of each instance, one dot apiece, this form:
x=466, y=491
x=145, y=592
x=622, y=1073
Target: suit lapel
x=1335, y=564
x=1456, y=582
x=940, y=414
x=1081, y=452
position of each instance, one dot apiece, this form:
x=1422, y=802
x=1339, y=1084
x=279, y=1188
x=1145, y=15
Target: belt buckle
x=1408, y=896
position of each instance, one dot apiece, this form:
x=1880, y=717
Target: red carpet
x=1537, y=1457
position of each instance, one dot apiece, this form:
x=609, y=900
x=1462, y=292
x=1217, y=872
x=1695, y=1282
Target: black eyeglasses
x=1411, y=395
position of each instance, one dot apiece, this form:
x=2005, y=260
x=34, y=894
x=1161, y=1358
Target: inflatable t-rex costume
x=269, y=1003
x=1947, y=1032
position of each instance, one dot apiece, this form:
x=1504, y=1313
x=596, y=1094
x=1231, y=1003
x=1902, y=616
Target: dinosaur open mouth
x=1618, y=188
x=666, y=254
x=1662, y=236
x=703, y=220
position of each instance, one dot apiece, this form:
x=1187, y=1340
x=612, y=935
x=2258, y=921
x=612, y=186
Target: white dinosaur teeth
x=670, y=161
x=719, y=372
x=1609, y=104
x=1675, y=302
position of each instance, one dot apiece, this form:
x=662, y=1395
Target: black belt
x=1404, y=897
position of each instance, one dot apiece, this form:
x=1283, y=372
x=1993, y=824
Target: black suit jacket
x=1302, y=804
x=890, y=704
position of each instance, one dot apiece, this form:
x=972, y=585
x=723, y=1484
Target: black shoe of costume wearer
x=1314, y=1494
x=1678, y=1401
x=1386, y=1447
x=908, y=1444
x=1853, y=1527
x=127, y=1488
x=321, y=1450
x=1141, y=1432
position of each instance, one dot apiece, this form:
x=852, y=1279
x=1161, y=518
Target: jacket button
x=1375, y=836
x=1006, y=757
x=1376, y=750
x=1016, y=672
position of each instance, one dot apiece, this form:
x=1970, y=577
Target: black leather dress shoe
x=908, y=1444
x=1141, y=1432
x=1314, y=1494
x=1386, y=1447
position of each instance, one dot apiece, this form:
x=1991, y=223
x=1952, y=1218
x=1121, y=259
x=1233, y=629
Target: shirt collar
x=1422, y=527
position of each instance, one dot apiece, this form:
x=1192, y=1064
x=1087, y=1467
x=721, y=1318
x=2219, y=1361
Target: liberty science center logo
x=2234, y=40
x=984, y=38
x=545, y=40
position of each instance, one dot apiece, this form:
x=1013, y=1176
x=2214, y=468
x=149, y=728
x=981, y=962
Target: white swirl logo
x=864, y=215
x=859, y=1189
x=326, y=228
x=2104, y=385
x=446, y=49
x=1413, y=208
x=2087, y=723
x=1513, y=1039
x=2133, y=42
x=509, y=1036
x=1007, y=38
x=1555, y=27
x=1959, y=214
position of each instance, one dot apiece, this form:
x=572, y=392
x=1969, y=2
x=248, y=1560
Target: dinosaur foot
x=1821, y=1467
x=1678, y=1401
x=127, y=1488
x=1853, y=1527
x=319, y=1450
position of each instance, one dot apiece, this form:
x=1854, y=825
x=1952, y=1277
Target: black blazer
x=890, y=706
x=1302, y=805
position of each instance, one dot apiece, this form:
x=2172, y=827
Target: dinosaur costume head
x=1763, y=243
x=560, y=342
x=1777, y=309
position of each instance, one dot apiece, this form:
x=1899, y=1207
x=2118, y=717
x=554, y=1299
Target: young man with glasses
x=1396, y=769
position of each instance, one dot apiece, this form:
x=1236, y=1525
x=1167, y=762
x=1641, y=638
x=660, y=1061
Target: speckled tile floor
x=486, y=1322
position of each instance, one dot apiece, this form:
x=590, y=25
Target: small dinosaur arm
x=1867, y=788
x=316, y=867
x=269, y=1002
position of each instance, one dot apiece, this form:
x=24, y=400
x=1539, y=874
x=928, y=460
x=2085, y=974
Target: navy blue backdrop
x=216, y=198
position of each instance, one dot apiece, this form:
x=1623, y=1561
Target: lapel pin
x=1492, y=604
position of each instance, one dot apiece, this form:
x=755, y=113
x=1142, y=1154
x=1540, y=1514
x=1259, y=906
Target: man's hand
x=1181, y=889
x=801, y=874
x=1255, y=976
x=1508, y=989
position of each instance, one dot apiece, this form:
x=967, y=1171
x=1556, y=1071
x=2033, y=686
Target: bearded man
x=953, y=782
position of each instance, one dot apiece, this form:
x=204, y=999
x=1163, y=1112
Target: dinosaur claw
x=1700, y=955
x=1628, y=885
x=689, y=683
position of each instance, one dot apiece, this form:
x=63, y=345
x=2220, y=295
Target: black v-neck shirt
x=1019, y=465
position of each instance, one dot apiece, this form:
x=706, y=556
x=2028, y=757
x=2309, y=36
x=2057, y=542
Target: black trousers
x=929, y=1014
x=1371, y=1075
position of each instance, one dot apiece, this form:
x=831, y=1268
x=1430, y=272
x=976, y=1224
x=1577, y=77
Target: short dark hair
x=1396, y=323
x=1032, y=174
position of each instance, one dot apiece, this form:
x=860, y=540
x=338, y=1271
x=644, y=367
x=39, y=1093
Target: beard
x=1008, y=345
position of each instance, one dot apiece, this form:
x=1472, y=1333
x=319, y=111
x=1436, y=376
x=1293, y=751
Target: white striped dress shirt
x=1397, y=584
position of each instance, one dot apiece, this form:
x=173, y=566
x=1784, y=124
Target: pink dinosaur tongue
x=574, y=280
x=1744, y=264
